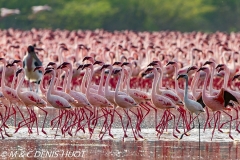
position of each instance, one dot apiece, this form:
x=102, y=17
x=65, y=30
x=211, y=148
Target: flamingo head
x=208, y=62
x=193, y=68
x=19, y=71
x=182, y=76
x=153, y=63
x=148, y=70
x=237, y=76
x=171, y=63
x=123, y=58
x=86, y=66
x=87, y=58
x=17, y=62
x=220, y=66
x=105, y=66
x=48, y=71
x=2, y=60
x=116, y=71
x=98, y=62
x=38, y=68
x=126, y=64
x=52, y=64
x=80, y=66
x=30, y=49
x=203, y=69
x=117, y=63
x=9, y=65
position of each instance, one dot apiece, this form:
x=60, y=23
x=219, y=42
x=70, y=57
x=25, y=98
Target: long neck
x=3, y=75
x=176, y=81
x=43, y=90
x=14, y=77
x=118, y=84
x=100, y=88
x=51, y=87
x=194, y=83
x=83, y=84
x=107, y=80
x=226, y=78
x=128, y=80
x=89, y=82
x=155, y=79
x=68, y=86
x=211, y=79
x=205, y=85
x=20, y=83
x=159, y=81
x=65, y=81
x=186, y=90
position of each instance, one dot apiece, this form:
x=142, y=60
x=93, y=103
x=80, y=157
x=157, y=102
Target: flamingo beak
x=170, y=63
x=18, y=71
x=236, y=77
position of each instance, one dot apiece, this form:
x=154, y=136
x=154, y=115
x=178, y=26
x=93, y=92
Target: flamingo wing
x=200, y=100
x=228, y=97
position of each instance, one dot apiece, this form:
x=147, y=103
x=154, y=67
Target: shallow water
x=24, y=146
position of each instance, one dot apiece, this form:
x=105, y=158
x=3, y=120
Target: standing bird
x=30, y=62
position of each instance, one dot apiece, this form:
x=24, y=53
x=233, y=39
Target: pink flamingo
x=161, y=102
x=124, y=101
x=55, y=100
x=96, y=100
x=82, y=101
x=217, y=103
x=30, y=99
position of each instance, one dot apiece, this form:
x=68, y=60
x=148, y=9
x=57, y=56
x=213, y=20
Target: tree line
x=138, y=15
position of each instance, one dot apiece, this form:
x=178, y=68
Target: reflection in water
x=91, y=149
x=17, y=147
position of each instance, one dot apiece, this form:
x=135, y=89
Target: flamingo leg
x=44, y=119
x=126, y=112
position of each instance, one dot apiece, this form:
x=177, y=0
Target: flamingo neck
x=20, y=83
x=211, y=79
x=205, y=84
x=90, y=79
x=100, y=88
x=176, y=81
x=118, y=84
x=226, y=78
x=186, y=90
x=107, y=80
x=14, y=77
x=128, y=80
x=43, y=90
x=65, y=81
x=194, y=83
x=155, y=79
x=83, y=84
x=3, y=75
x=51, y=87
x=70, y=74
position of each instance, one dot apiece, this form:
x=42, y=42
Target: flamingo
x=55, y=100
x=96, y=100
x=30, y=99
x=124, y=101
x=161, y=102
x=82, y=101
x=217, y=103
x=139, y=96
x=191, y=105
x=11, y=95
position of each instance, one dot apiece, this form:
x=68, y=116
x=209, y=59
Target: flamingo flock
x=97, y=77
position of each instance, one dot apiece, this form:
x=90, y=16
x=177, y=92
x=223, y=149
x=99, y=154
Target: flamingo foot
x=44, y=132
x=231, y=136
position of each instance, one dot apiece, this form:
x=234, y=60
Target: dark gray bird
x=30, y=62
